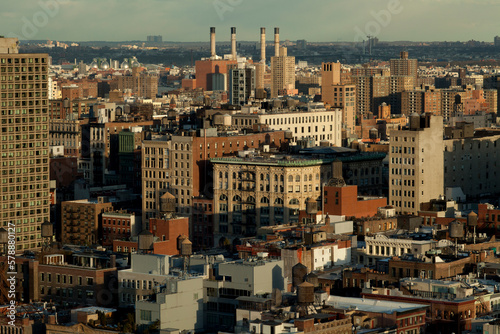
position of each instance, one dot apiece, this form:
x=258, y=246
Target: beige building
x=338, y=95
x=318, y=123
x=250, y=193
x=282, y=73
x=405, y=67
x=472, y=163
x=68, y=133
x=381, y=247
x=24, y=149
x=416, y=163
x=141, y=83
x=449, y=97
x=167, y=166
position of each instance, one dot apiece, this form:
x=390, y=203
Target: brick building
x=81, y=221
x=344, y=201
x=181, y=166
x=119, y=225
x=165, y=231
x=53, y=279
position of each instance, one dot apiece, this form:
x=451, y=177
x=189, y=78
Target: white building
x=318, y=123
x=381, y=246
x=147, y=272
x=178, y=305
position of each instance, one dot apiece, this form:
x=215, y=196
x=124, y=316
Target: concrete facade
x=250, y=193
x=472, y=164
x=24, y=151
x=178, y=305
x=416, y=164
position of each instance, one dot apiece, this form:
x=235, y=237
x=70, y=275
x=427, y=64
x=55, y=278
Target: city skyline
x=341, y=20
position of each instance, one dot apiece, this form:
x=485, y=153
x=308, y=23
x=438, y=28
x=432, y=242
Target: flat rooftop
x=371, y=305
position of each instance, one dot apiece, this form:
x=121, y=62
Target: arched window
x=236, y=198
x=294, y=201
x=290, y=178
x=251, y=199
x=220, y=174
x=264, y=200
x=278, y=201
x=226, y=175
x=182, y=147
x=317, y=176
x=223, y=197
x=234, y=175
x=282, y=178
x=176, y=147
x=297, y=178
x=262, y=177
x=187, y=147
x=275, y=178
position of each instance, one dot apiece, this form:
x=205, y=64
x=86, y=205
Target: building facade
x=282, y=73
x=250, y=193
x=416, y=163
x=24, y=145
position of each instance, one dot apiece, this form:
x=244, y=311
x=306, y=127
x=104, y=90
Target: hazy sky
x=189, y=20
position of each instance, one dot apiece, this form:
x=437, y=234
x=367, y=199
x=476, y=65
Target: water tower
x=456, y=229
x=299, y=272
x=305, y=296
x=311, y=209
x=145, y=242
x=472, y=222
x=47, y=233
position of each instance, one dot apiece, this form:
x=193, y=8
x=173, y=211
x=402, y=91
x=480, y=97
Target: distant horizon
x=317, y=21
x=268, y=41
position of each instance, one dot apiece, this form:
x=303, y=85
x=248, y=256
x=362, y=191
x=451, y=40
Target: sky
x=312, y=20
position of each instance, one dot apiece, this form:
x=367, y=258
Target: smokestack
x=277, y=42
x=262, y=45
x=233, y=42
x=212, y=42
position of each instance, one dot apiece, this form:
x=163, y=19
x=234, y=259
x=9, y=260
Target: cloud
x=313, y=20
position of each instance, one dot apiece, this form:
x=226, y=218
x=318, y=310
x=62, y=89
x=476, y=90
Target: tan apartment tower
x=24, y=148
x=405, y=67
x=282, y=73
x=338, y=95
x=416, y=163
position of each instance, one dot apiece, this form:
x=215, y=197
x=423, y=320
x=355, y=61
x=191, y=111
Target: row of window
x=89, y=294
x=65, y=279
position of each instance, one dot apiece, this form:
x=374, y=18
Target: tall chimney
x=233, y=42
x=262, y=45
x=277, y=42
x=212, y=42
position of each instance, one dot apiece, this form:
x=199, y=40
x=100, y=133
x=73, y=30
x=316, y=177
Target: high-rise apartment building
x=282, y=73
x=24, y=148
x=405, y=66
x=416, y=163
x=338, y=95
x=241, y=83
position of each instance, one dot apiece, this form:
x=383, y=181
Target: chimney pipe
x=212, y=42
x=233, y=42
x=263, y=45
x=277, y=42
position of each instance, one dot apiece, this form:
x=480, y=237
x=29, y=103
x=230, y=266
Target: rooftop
x=371, y=305
x=295, y=162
